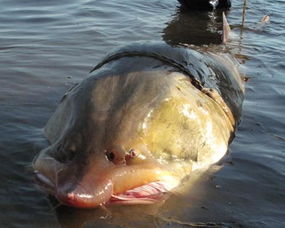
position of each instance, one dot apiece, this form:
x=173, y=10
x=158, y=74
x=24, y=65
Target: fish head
x=129, y=138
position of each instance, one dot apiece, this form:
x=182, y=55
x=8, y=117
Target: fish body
x=145, y=118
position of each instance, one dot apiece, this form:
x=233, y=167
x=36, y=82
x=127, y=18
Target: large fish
x=145, y=118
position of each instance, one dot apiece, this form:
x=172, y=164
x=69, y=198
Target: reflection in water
x=194, y=27
x=127, y=216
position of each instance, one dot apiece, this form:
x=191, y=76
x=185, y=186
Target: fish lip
x=147, y=194
x=115, y=199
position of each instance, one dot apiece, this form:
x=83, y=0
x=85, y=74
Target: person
x=206, y=4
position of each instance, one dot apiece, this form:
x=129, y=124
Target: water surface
x=47, y=46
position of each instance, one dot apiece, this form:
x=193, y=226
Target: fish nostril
x=117, y=157
x=110, y=155
x=131, y=154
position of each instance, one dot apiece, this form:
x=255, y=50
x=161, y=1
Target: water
x=47, y=46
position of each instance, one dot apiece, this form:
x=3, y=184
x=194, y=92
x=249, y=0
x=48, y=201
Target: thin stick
x=243, y=12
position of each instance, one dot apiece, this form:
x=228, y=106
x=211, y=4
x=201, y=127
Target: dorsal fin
x=226, y=29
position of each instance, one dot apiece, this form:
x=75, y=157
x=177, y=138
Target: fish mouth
x=149, y=193
x=146, y=194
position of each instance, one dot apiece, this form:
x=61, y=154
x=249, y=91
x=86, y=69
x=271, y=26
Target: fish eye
x=110, y=155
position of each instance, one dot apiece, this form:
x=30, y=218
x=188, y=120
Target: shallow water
x=47, y=46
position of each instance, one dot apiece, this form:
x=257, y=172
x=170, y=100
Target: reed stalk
x=243, y=12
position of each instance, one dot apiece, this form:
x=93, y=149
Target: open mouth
x=149, y=193
x=146, y=194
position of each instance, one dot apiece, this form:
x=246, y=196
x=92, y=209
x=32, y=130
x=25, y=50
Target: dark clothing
x=206, y=4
